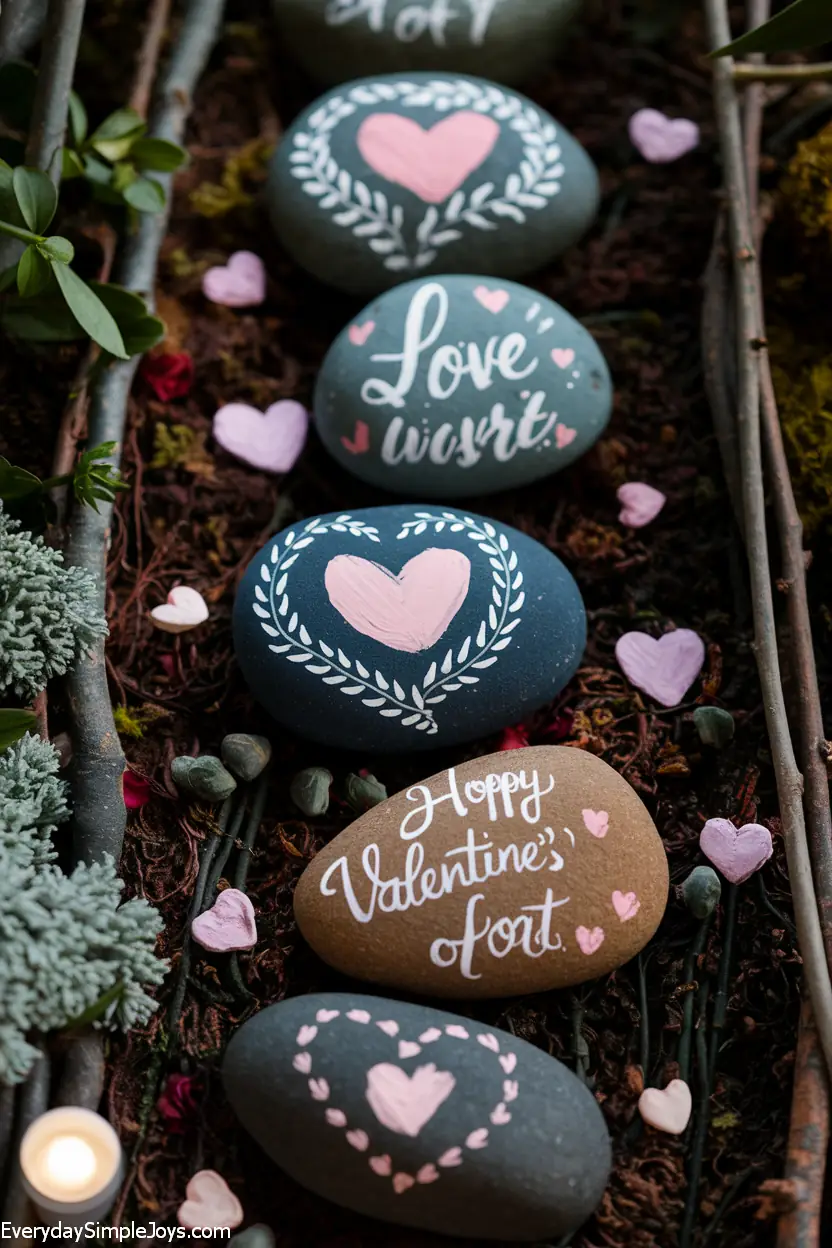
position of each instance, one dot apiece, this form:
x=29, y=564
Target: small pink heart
x=563, y=356
x=382, y=1165
x=401, y=1182
x=458, y=1033
x=589, y=941
x=660, y=139
x=358, y=1016
x=229, y=924
x=596, y=822
x=452, y=1157
x=428, y=1174
x=271, y=441
x=664, y=669
x=669, y=1109
x=359, y=444
x=500, y=1116
x=492, y=300
x=432, y=1033
x=358, y=334
x=307, y=1034
x=184, y=609
x=511, y=1089
x=409, y=1048
x=389, y=1027
x=478, y=1138
x=626, y=905
x=431, y=163
x=302, y=1062
x=326, y=1016
x=640, y=504
x=564, y=436
x=335, y=1117
x=489, y=1042
x=508, y=1061
x=737, y=853
x=209, y=1201
x=240, y=283
x=319, y=1089
x=358, y=1140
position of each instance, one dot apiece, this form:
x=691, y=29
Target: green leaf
x=16, y=482
x=9, y=210
x=33, y=272
x=36, y=197
x=117, y=133
x=93, y=480
x=57, y=248
x=7, y=278
x=804, y=24
x=77, y=119
x=140, y=329
x=72, y=166
x=158, y=154
x=17, y=93
x=13, y=725
x=123, y=174
x=96, y=171
x=99, y=1007
x=89, y=311
x=145, y=195
x=44, y=319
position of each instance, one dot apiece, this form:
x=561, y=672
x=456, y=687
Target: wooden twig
x=798, y=74
x=99, y=814
x=808, y=1139
x=750, y=341
x=148, y=57
x=47, y=127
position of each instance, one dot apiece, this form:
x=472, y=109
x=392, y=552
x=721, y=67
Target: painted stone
x=407, y=627
x=390, y=178
x=507, y=40
x=419, y=1117
x=457, y=386
x=518, y=872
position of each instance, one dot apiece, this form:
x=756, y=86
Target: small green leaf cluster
x=93, y=479
x=804, y=24
x=117, y=158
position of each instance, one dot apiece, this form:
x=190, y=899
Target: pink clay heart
x=401, y=1182
x=409, y=611
x=271, y=441
x=404, y=1103
x=431, y=163
x=660, y=139
x=492, y=300
x=358, y=334
x=184, y=609
x=452, y=1157
x=589, y=941
x=427, y=1174
x=736, y=852
x=240, y=283
x=596, y=822
x=564, y=436
x=640, y=504
x=664, y=669
x=229, y=924
x=508, y=1061
x=209, y=1201
x=625, y=905
x=669, y=1109
x=382, y=1165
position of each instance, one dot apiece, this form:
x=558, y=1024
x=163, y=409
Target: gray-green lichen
x=48, y=612
x=32, y=802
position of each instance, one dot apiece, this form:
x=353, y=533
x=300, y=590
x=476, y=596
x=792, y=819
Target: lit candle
x=71, y=1164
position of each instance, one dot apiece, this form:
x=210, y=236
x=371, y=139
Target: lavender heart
x=271, y=441
x=665, y=669
x=662, y=139
x=736, y=852
x=640, y=503
x=241, y=283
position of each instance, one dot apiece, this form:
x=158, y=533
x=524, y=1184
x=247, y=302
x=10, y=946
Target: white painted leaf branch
x=370, y=215
x=479, y=650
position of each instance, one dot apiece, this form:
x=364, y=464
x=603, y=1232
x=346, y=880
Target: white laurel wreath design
x=480, y=649
x=369, y=214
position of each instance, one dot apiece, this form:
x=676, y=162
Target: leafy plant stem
x=702, y=1111
x=821, y=71
x=225, y=850
x=55, y=72
x=255, y=817
x=686, y=1032
x=721, y=998
x=23, y=236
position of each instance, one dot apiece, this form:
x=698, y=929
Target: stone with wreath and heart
x=419, y=1117
x=406, y=627
x=390, y=178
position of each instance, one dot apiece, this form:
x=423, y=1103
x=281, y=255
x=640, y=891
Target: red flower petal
x=169, y=376
x=514, y=738
x=136, y=790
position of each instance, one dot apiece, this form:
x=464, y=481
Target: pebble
x=504, y=875
x=667, y=1109
x=399, y=628
x=364, y=792
x=390, y=178
x=309, y=790
x=419, y=1117
x=458, y=386
x=701, y=892
x=203, y=777
x=714, y=725
x=246, y=755
x=508, y=40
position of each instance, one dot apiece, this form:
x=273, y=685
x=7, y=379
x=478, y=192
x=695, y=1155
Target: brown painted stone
x=516, y=872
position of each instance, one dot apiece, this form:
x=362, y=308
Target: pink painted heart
x=589, y=941
x=596, y=822
x=306, y=1034
x=508, y=1061
x=359, y=1140
x=336, y=1118
x=408, y=1048
x=241, y=283
x=407, y=612
x=229, y=924
x=358, y=1016
x=359, y=443
x=209, y=1201
x=184, y=609
x=564, y=436
x=382, y=1166
x=427, y=1174
x=326, y=1016
x=404, y=1103
x=401, y=1182
x=492, y=300
x=319, y=1089
x=431, y=163
x=489, y=1041
x=358, y=334
x=661, y=139
x=428, y=1037
x=736, y=852
x=389, y=1026
x=452, y=1157
x=271, y=441
x=640, y=504
x=302, y=1062
x=500, y=1116
x=664, y=669
x=478, y=1138
x=455, y=1030
x=511, y=1089
x=563, y=356
x=667, y=1109
x=625, y=905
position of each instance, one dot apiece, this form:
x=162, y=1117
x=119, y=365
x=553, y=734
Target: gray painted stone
x=510, y=389
x=390, y=178
x=419, y=1117
x=507, y=40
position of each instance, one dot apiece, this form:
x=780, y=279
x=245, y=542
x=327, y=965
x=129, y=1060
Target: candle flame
x=69, y=1162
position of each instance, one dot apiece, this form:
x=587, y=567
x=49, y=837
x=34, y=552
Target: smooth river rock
x=507, y=40
x=456, y=386
x=391, y=178
x=419, y=1117
x=518, y=872
x=405, y=628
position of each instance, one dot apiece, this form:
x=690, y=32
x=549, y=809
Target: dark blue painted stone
x=349, y=632
x=420, y=1117
x=390, y=178
x=456, y=386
